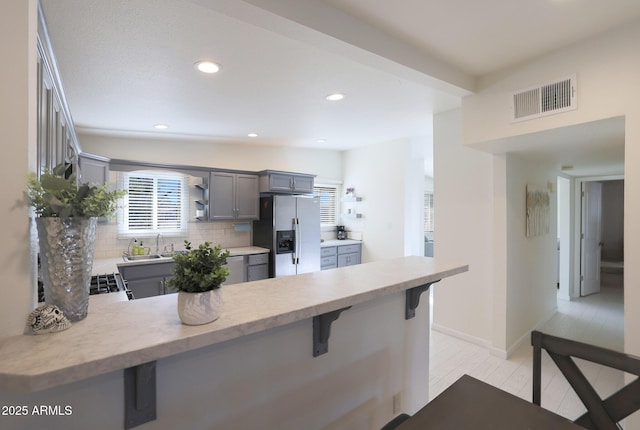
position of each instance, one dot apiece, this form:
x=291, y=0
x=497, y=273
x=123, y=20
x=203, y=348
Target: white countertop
x=99, y=300
x=110, y=265
x=336, y=242
x=138, y=331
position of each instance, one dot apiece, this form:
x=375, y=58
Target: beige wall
x=389, y=177
x=531, y=261
x=464, y=214
x=17, y=121
x=605, y=67
x=608, y=86
x=480, y=219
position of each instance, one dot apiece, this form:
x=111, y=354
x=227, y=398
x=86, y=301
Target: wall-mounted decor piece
x=538, y=211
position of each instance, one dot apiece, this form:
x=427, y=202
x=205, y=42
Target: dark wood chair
x=601, y=414
x=391, y=425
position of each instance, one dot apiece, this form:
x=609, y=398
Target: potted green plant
x=198, y=274
x=66, y=217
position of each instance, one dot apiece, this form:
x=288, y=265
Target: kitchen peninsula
x=254, y=367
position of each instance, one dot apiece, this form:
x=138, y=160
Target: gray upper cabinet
x=57, y=140
x=233, y=196
x=247, y=197
x=93, y=169
x=285, y=182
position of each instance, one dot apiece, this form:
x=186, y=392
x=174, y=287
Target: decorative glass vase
x=199, y=308
x=66, y=261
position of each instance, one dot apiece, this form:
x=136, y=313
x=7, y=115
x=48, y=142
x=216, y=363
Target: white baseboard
x=497, y=352
x=460, y=335
x=525, y=339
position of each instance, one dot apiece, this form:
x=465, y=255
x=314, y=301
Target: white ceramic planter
x=199, y=308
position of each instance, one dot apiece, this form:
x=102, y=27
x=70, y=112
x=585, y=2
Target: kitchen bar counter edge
x=141, y=331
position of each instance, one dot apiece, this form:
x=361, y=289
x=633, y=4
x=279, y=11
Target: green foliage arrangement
x=57, y=194
x=199, y=269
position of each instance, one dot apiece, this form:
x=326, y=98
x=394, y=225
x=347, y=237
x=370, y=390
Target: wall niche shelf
x=352, y=215
x=202, y=205
x=352, y=199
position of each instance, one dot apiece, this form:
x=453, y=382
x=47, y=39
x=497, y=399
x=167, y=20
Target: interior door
x=591, y=238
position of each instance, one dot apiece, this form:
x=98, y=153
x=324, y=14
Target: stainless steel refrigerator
x=290, y=227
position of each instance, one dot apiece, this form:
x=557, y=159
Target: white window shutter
x=155, y=203
x=328, y=197
x=140, y=203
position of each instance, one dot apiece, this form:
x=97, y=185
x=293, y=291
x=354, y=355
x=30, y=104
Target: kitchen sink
x=141, y=257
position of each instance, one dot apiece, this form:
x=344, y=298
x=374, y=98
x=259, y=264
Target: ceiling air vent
x=542, y=100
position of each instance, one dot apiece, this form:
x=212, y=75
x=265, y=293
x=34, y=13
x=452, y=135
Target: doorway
x=601, y=303
x=590, y=237
x=590, y=234
x=602, y=234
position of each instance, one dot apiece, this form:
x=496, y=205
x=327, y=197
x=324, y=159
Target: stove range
x=100, y=284
x=107, y=283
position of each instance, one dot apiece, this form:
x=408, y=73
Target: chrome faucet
x=158, y=242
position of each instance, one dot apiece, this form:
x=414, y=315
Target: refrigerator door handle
x=296, y=241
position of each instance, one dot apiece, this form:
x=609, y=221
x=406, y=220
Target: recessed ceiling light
x=335, y=97
x=207, y=67
x=161, y=126
x=252, y=134
x=321, y=141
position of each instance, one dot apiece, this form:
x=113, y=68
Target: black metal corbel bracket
x=413, y=299
x=139, y=394
x=322, y=330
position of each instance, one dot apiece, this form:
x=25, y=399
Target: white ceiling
x=480, y=37
x=128, y=64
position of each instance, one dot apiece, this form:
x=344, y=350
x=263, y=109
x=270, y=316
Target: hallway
x=596, y=319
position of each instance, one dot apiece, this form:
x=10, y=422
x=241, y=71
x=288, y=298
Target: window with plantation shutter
x=428, y=211
x=328, y=196
x=155, y=203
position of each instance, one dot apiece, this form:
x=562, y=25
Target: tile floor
x=595, y=319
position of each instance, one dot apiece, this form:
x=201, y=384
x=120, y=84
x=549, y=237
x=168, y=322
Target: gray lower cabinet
x=148, y=287
x=348, y=255
x=340, y=256
x=257, y=267
x=147, y=280
x=328, y=257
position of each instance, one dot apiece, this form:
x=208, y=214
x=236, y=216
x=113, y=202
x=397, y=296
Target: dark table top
x=473, y=404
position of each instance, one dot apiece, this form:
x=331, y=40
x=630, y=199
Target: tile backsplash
x=109, y=245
